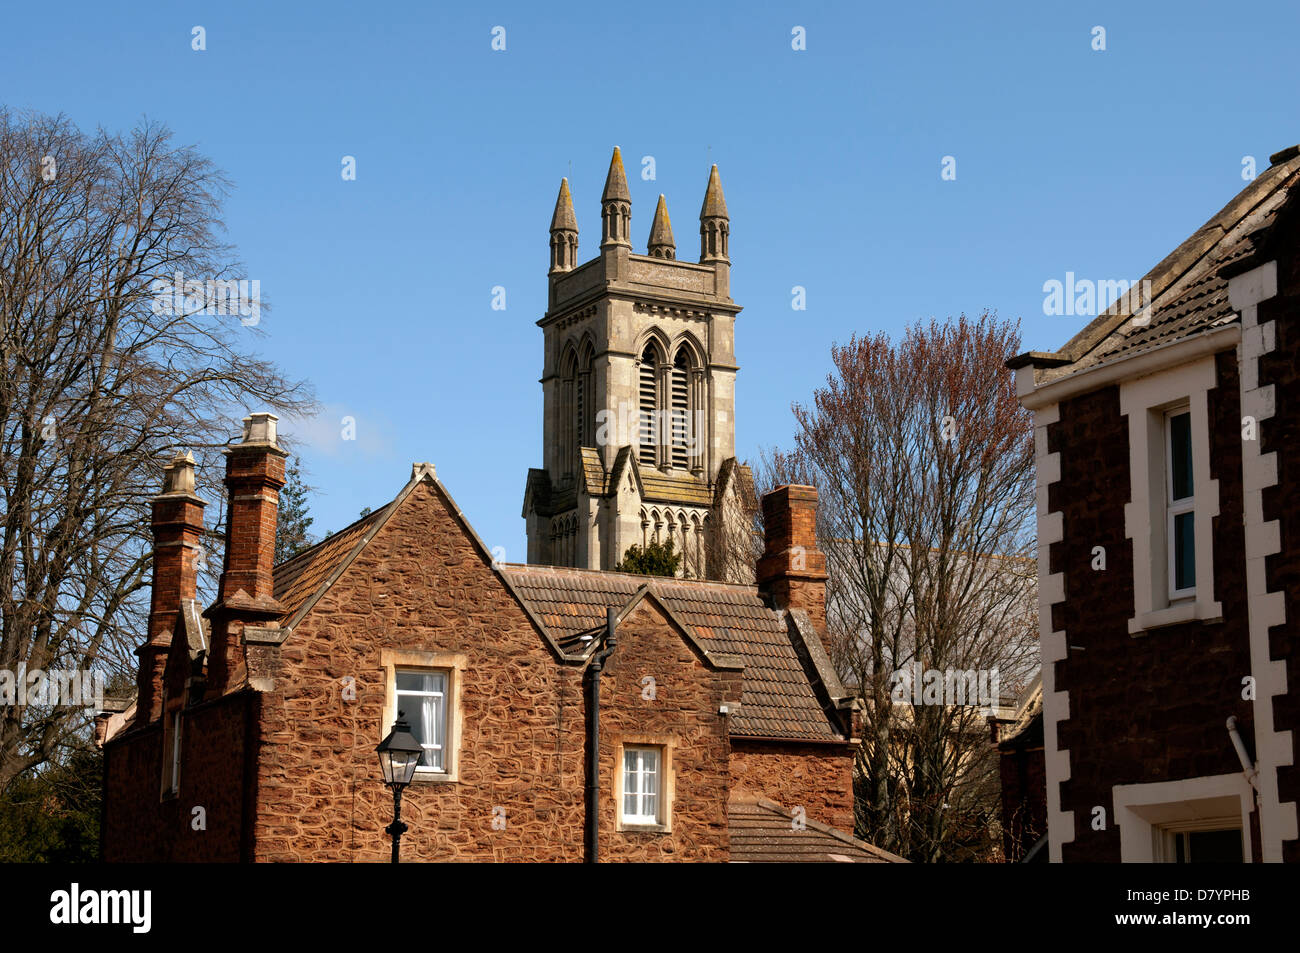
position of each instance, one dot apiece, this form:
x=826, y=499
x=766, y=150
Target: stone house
x=724, y=733
x=1168, y=440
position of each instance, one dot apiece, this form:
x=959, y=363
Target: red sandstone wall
x=687, y=695
x=421, y=585
x=139, y=826
x=816, y=777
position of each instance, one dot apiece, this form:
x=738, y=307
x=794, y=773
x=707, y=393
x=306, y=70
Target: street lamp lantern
x=399, y=754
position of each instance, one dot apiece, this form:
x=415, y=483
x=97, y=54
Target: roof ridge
x=582, y=570
x=1187, y=258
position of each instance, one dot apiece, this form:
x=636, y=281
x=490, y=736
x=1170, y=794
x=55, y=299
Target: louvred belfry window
x=647, y=425
x=680, y=410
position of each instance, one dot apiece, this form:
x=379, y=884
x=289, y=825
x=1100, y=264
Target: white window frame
x=1175, y=507
x=453, y=664
x=443, y=731
x=1147, y=814
x=649, y=764
x=1145, y=401
x=662, y=819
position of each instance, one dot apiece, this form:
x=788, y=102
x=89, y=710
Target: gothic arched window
x=585, y=411
x=648, y=423
x=570, y=402
x=680, y=416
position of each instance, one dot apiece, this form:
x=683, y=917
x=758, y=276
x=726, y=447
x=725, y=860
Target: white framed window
x=1194, y=820
x=1173, y=501
x=1180, y=504
x=422, y=696
x=642, y=784
x=426, y=686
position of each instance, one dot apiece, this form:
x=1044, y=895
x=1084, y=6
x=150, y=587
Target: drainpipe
x=594, y=671
x=1247, y=766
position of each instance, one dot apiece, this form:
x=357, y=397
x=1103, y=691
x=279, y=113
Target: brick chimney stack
x=792, y=570
x=177, y=541
x=254, y=476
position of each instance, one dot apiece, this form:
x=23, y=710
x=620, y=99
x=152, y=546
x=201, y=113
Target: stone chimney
x=792, y=570
x=254, y=476
x=177, y=541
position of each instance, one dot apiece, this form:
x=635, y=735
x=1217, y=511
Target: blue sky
x=1067, y=159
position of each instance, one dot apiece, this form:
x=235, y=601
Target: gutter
x=594, y=671
x=1035, y=397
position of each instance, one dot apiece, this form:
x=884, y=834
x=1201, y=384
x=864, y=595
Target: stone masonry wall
x=679, y=710
x=141, y=826
x=816, y=777
x=421, y=585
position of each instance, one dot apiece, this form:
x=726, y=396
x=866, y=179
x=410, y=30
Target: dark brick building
x=254, y=729
x=1168, y=434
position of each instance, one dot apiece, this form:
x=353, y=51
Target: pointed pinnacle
x=715, y=206
x=616, y=181
x=563, y=220
x=661, y=232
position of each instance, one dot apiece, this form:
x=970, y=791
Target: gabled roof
x=593, y=471
x=1188, y=288
x=304, y=578
x=300, y=582
x=779, y=697
x=761, y=831
x=789, y=689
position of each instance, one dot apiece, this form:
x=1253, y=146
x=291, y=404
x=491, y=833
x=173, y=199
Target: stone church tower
x=638, y=385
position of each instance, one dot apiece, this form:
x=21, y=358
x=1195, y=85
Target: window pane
x=1184, y=551
x=421, y=681
x=1214, y=847
x=1180, y=456
x=421, y=695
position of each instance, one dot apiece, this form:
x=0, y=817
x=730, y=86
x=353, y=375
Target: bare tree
x=923, y=461
x=118, y=348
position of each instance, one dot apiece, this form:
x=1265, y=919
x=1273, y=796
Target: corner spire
x=715, y=226
x=615, y=206
x=564, y=232
x=715, y=206
x=616, y=181
x=563, y=220
x=661, y=243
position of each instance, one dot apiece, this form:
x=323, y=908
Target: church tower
x=638, y=385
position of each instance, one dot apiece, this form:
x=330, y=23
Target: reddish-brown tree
x=923, y=461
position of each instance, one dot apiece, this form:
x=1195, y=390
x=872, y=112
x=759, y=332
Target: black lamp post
x=399, y=754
